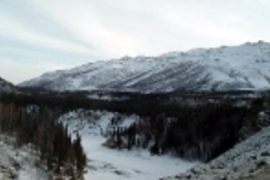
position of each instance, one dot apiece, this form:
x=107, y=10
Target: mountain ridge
x=7, y=87
x=213, y=69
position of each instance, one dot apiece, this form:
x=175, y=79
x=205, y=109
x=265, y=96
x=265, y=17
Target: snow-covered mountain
x=6, y=87
x=225, y=68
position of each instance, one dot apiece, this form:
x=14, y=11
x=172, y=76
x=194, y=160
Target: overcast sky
x=37, y=36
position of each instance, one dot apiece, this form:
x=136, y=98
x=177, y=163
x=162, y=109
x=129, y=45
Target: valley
x=176, y=116
x=134, y=90
x=134, y=135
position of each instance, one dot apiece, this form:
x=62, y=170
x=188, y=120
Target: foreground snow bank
x=18, y=163
x=246, y=160
x=104, y=163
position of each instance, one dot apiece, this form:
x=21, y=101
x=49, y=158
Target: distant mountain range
x=244, y=67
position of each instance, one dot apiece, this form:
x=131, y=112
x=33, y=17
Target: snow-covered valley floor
x=113, y=164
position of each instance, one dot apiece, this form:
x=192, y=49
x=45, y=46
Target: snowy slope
x=225, y=68
x=19, y=164
x=6, y=87
x=247, y=159
x=113, y=164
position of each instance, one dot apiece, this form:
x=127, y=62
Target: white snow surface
x=245, y=66
x=114, y=164
x=19, y=164
x=246, y=159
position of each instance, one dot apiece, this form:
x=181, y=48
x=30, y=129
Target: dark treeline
x=141, y=104
x=36, y=126
x=193, y=132
x=198, y=133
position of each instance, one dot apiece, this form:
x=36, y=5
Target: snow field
x=113, y=164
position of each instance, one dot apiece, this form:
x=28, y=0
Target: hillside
x=249, y=159
x=6, y=87
x=18, y=163
x=224, y=68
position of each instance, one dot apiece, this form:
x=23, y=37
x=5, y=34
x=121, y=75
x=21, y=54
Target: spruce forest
x=35, y=126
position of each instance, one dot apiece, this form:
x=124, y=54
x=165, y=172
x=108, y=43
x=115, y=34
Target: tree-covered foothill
x=36, y=126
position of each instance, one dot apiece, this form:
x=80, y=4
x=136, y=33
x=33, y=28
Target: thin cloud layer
x=65, y=33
